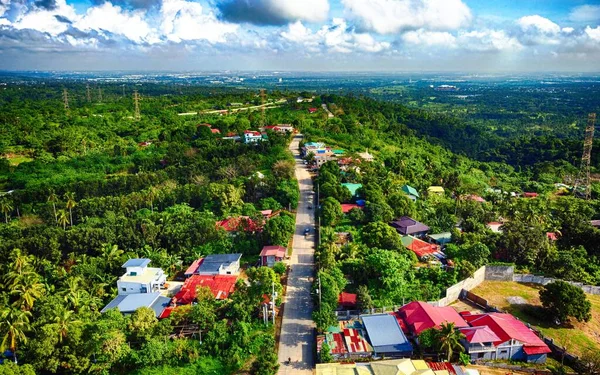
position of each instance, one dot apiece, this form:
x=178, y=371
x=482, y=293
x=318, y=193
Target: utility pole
x=262, y=108
x=582, y=187
x=66, y=99
x=273, y=296
x=320, y=300
x=87, y=93
x=136, y=101
x=99, y=94
x=123, y=86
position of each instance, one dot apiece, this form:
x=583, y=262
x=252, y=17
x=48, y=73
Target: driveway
x=297, y=338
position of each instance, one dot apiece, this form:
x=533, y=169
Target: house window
x=480, y=355
x=124, y=289
x=229, y=272
x=504, y=351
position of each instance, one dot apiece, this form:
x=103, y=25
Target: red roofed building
x=347, y=300
x=420, y=316
x=552, y=236
x=312, y=110
x=530, y=195
x=215, y=131
x=221, y=287
x=238, y=224
x=346, y=207
x=421, y=248
x=479, y=342
x=473, y=197
x=515, y=340
x=271, y=255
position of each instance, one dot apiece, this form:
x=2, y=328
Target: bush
x=279, y=268
x=563, y=300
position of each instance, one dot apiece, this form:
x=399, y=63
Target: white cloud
x=393, y=16
x=429, y=38
x=337, y=37
x=593, y=34
x=113, y=19
x=538, y=30
x=567, y=30
x=185, y=20
x=4, y=4
x=488, y=41
x=306, y=10
x=585, y=13
x=45, y=20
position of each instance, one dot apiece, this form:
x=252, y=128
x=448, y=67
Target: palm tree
x=13, y=325
x=28, y=288
x=53, y=198
x=112, y=255
x=6, y=207
x=62, y=218
x=63, y=321
x=449, y=339
x=151, y=196
x=70, y=197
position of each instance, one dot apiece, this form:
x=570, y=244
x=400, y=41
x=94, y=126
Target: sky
x=301, y=35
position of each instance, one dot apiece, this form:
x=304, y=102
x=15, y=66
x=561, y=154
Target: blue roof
x=128, y=303
x=385, y=334
x=136, y=262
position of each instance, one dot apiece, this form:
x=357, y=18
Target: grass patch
x=577, y=338
x=205, y=365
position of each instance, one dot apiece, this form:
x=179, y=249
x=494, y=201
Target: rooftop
x=221, y=287
x=385, y=333
x=147, y=276
x=419, y=247
x=136, y=262
x=407, y=225
x=479, y=335
x=352, y=187
x=347, y=299
x=410, y=190
x=273, y=250
x=213, y=262
x=420, y=316
x=131, y=302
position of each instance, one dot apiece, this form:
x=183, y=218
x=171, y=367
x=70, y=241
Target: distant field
x=577, y=339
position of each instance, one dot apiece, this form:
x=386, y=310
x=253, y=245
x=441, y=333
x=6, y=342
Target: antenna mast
x=136, y=100
x=583, y=188
x=66, y=99
x=99, y=94
x=87, y=93
x=262, y=108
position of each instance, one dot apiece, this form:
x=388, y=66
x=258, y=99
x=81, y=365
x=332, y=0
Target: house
x=322, y=159
x=353, y=188
x=233, y=136
x=473, y=197
x=271, y=255
x=279, y=128
x=410, y=191
x=530, y=195
x=516, y=341
x=312, y=110
x=419, y=316
x=441, y=239
x=435, y=190
x=139, y=278
x=479, y=342
x=214, y=131
x=347, y=300
x=128, y=303
x=423, y=250
x=251, y=136
x=552, y=236
x=495, y=226
x=239, y=223
x=221, y=287
x=405, y=226
x=403, y=366
x=595, y=223
x=366, y=156
x=216, y=264
x=346, y=207
x=385, y=336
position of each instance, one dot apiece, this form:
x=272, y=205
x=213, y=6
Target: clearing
x=577, y=339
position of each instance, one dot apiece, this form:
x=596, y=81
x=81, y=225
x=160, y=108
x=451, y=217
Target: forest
x=87, y=187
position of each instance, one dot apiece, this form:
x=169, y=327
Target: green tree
x=449, y=338
x=279, y=229
x=325, y=353
x=9, y=368
x=70, y=204
x=14, y=323
x=6, y=207
x=563, y=300
x=363, y=298
x=53, y=198
x=380, y=235
x=62, y=218
x=331, y=211
x=142, y=323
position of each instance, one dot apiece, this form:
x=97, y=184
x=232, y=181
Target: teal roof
x=352, y=187
x=338, y=152
x=410, y=190
x=442, y=238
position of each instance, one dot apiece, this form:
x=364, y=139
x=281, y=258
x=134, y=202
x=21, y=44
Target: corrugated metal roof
x=385, y=333
x=136, y=262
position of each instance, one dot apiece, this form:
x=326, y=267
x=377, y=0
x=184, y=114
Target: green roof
x=352, y=187
x=407, y=240
x=410, y=190
x=442, y=238
x=338, y=152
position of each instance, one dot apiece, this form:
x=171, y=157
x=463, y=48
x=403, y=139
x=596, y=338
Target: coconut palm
x=70, y=197
x=64, y=320
x=6, y=207
x=112, y=255
x=28, y=289
x=53, y=198
x=13, y=325
x=449, y=339
x=62, y=218
x=151, y=195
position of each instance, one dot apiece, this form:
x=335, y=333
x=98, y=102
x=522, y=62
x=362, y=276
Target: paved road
x=297, y=330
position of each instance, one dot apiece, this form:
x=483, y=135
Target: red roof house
x=421, y=248
x=346, y=207
x=479, y=335
x=271, y=255
x=215, y=131
x=420, y=316
x=237, y=224
x=551, y=236
x=312, y=110
x=530, y=195
x=194, y=267
x=473, y=197
x=221, y=287
x=347, y=300
x=506, y=327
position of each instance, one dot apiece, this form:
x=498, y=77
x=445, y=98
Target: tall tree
x=71, y=203
x=13, y=325
x=62, y=218
x=6, y=207
x=53, y=198
x=449, y=339
x=563, y=300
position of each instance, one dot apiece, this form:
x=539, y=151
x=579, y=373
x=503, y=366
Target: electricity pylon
x=87, y=93
x=66, y=99
x=583, y=187
x=136, y=101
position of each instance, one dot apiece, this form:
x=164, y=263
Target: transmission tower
x=136, y=101
x=262, y=108
x=66, y=99
x=87, y=93
x=123, y=86
x=99, y=95
x=582, y=187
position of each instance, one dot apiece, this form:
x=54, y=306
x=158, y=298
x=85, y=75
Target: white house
x=252, y=136
x=216, y=264
x=140, y=278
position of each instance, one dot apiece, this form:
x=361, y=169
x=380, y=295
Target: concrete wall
x=453, y=292
x=499, y=273
x=526, y=278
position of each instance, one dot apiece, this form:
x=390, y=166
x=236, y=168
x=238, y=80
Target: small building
x=530, y=195
x=279, y=128
x=410, y=191
x=353, y=188
x=221, y=287
x=595, y=223
x=215, y=264
x=239, y=224
x=385, y=336
x=346, y=207
x=139, y=278
x=366, y=156
x=321, y=159
x=423, y=250
x=479, y=342
x=271, y=255
x=441, y=239
x=495, y=226
x=408, y=226
x=435, y=190
x=312, y=110
x=516, y=342
x=128, y=303
x=252, y=136
x=232, y=136
x=347, y=300
x=473, y=197
x=419, y=316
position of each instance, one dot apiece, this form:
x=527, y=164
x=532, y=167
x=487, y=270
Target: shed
x=435, y=190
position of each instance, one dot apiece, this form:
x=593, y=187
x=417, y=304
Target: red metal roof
x=507, y=327
x=273, y=250
x=215, y=131
x=420, y=316
x=422, y=248
x=312, y=110
x=355, y=342
x=235, y=224
x=221, y=287
x=477, y=335
x=347, y=299
x=346, y=207
x=551, y=236
x=473, y=197
x=194, y=267
x=530, y=195
x=441, y=366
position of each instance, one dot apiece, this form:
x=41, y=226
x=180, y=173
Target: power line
x=136, y=101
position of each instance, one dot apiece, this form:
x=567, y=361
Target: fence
x=354, y=314
x=527, y=278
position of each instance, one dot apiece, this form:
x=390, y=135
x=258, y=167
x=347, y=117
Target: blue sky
x=316, y=35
